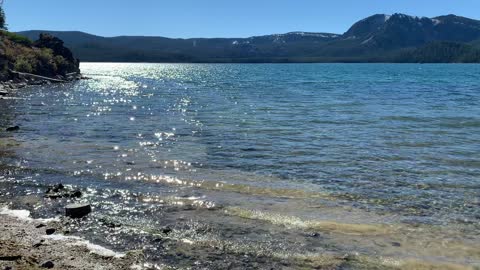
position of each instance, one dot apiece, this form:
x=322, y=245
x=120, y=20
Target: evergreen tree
x=3, y=23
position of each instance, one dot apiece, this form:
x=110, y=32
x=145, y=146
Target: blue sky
x=215, y=18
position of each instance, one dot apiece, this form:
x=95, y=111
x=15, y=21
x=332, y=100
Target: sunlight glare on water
x=365, y=155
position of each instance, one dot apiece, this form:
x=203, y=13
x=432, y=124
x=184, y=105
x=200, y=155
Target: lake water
x=279, y=166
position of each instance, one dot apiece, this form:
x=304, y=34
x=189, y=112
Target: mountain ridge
x=378, y=38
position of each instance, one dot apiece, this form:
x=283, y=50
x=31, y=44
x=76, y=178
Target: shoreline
x=21, y=80
x=25, y=244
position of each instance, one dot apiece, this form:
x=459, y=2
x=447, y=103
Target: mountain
x=379, y=38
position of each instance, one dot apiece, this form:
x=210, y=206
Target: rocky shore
x=21, y=80
x=27, y=243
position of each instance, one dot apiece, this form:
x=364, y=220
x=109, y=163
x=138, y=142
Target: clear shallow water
x=269, y=161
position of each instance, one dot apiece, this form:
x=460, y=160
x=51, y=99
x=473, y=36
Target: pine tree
x=3, y=23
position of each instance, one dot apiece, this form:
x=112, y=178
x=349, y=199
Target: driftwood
x=37, y=77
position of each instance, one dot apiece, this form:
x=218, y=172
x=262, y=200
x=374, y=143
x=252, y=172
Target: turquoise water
x=363, y=155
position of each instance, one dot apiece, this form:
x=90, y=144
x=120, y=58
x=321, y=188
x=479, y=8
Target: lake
x=258, y=165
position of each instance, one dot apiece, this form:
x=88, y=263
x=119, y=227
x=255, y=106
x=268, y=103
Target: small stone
x=10, y=258
x=77, y=210
x=48, y=264
x=50, y=231
x=396, y=244
x=55, y=188
x=76, y=194
x=40, y=226
x=15, y=128
x=166, y=230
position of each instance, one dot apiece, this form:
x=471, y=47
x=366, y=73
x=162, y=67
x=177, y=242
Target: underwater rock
x=55, y=188
x=15, y=128
x=77, y=210
x=50, y=231
x=59, y=191
x=166, y=230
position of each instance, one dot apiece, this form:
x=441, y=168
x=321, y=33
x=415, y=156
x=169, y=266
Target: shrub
x=17, y=38
x=23, y=65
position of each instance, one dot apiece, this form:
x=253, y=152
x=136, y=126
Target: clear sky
x=215, y=18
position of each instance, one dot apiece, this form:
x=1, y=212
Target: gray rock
x=50, y=231
x=77, y=210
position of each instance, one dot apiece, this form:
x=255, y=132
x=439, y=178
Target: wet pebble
x=166, y=230
x=50, y=231
x=48, y=264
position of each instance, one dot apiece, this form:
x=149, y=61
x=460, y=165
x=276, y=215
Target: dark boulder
x=48, y=264
x=77, y=210
x=15, y=128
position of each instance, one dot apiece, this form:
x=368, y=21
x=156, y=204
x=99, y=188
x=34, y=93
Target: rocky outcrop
x=23, y=62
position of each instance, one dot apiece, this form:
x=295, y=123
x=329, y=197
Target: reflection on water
x=283, y=165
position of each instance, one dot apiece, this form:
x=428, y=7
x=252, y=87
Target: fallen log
x=37, y=76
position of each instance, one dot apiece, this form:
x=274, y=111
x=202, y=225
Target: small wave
x=406, y=119
x=23, y=215
x=231, y=187
x=295, y=222
x=78, y=241
x=194, y=202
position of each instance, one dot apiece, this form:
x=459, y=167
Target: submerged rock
x=50, y=231
x=77, y=210
x=15, y=128
x=56, y=188
x=59, y=191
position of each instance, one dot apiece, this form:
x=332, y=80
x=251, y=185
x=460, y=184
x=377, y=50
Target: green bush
x=16, y=38
x=23, y=65
x=45, y=55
